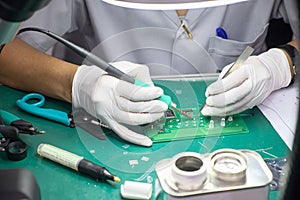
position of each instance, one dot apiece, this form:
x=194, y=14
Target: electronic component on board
x=170, y=114
x=179, y=127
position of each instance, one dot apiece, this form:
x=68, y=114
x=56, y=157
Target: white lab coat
x=155, y=38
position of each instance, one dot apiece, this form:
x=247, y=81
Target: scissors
x=48, y=113
x=80, y=117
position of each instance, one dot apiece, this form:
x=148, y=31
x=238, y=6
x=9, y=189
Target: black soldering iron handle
x=111, y=70
x=91, y=169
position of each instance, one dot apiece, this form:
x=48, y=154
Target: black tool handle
x=111, y=70
x=9, y=132
x=94, y=170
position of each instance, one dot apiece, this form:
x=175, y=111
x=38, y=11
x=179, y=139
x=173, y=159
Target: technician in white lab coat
x=168, y=42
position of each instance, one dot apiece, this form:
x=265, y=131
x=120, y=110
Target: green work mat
x=128, y=161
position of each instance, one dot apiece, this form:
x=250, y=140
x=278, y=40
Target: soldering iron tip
x=182, y=112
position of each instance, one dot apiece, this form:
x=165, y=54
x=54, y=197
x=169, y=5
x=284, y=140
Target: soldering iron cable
x=84, y=54
x=111, y=70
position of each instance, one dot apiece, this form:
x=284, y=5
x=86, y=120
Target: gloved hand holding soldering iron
x=113, y=101
x=117, y=102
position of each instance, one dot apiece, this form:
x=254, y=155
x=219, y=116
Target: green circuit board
x=190, y=97
x=178, y=127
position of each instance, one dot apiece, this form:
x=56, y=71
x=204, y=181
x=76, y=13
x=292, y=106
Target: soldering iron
x=111, y=70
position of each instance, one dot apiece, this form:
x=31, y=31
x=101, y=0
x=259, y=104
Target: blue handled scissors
x=48, y=113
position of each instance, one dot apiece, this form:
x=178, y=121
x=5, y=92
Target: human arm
x=25, y=68
x=251, y=84
x=113, y=101
x=295, y=44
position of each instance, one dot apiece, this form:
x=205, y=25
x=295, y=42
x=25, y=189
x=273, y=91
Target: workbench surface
x=125, y=160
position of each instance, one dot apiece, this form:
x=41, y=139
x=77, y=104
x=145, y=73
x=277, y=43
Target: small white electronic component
x=136, y=190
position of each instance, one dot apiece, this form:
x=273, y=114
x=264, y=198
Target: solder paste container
x=225, y=174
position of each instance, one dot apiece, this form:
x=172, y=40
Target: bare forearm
x=285, y=50
x=295, y=43
x=23, y=67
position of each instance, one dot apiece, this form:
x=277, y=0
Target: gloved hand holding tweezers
x=249, y=85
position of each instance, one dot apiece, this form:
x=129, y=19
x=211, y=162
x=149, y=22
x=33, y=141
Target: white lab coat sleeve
x=289, y=11
x=59, y=17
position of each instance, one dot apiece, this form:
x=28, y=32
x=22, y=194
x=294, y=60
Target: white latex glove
x=117, y=102
x=249, y=85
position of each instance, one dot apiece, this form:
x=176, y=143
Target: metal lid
x=228, y=165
